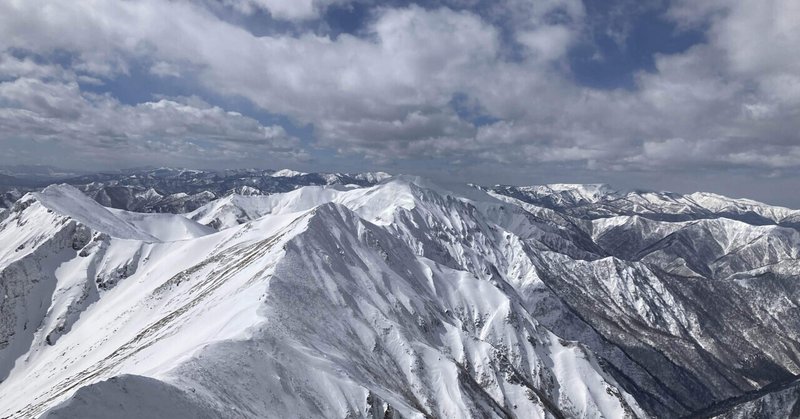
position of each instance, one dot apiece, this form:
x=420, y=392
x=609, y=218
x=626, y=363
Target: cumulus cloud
x=387, y=93
x=292, y=10
x=100, y=127
x=165, y=69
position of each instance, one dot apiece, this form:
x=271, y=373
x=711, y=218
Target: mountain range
x=178, y=293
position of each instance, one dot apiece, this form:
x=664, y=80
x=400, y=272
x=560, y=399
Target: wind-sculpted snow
x=428, y=340
x=132, y=397
x=399, y=299
x=301, y=312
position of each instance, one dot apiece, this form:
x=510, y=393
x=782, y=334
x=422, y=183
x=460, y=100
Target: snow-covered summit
x=561, y=194
x=287, y=173
x=595, y=190
x=395, y=299
x=263, y=293
x=376, y=204
x=597, y=201
x=177, y=190
x=69, y=202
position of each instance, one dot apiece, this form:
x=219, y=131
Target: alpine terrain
x=260, y=294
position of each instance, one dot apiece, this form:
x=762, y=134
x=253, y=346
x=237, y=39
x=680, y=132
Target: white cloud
x=733, y=100
x=292, y=10
x=13, y=67
x=165, y=69
x=547, y=43
x=99, y=126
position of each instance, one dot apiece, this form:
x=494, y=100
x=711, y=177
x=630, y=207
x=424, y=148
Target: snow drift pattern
x=395, y=300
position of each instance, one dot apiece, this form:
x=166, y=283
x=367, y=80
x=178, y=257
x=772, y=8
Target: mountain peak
x=68, y=201
x=287, y=173
x=402, y=295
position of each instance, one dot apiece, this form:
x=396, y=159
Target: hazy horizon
x=664, y=95
x=789, y=201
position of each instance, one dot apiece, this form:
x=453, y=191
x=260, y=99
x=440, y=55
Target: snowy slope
x=599, y=201
x=58, y=243
x=701, y=293
x=399, y=299
x=180, y=190
x=238, y=323
x=164, y=227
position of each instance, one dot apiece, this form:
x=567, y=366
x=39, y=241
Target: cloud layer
x=457, y=82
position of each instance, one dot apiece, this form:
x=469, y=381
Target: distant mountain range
x=177, y=190
x=249, y=293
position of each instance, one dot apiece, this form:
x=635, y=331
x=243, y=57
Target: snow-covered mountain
x=600, y=201
x=392, y=297
x=180, y=190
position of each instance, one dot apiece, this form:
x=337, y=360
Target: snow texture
x=398, y=299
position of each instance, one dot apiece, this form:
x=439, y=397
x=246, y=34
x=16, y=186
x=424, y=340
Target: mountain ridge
x=523, y=309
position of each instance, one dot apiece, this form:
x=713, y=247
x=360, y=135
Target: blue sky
x=677, y=95
x=624, y=39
